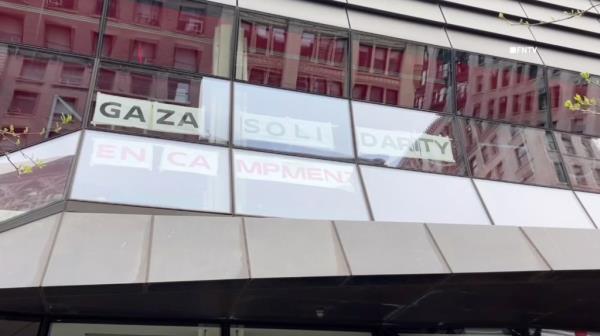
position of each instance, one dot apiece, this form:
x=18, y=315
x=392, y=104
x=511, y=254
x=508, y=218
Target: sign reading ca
x=129, y=112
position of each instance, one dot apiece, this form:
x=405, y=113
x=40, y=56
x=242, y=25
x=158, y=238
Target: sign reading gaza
x=129, y=112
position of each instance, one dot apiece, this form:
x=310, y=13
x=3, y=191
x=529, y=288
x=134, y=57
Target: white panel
x=489, y=23
x=284, y=186
x=575, y=4
x=407, y=196
x=99, y=249
x=134, y=170
x=226, y=2
x=559, y=38
x=205, y=248
x=495, y=47
x=280, y=248
x=406, y=30
x=523, y=205
x=24, y=253
x=420, y=9
x=551, y=14
x=563, y=60
x=591, y=202
x=300, y=9
x=501, y=6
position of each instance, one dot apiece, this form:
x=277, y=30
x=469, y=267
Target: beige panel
x=551, y=14
x=489, y=46
x=300, y=9
x=280, y=248
x=406, y=30
x=188, y=248
x=501, y=6
x=569, y=61
x=389, y=248
x=476, y=248
x=566, y=38
x=24, y=252
x=567, y=249
x=489, y=23
x=420, y=9
x=99, y=249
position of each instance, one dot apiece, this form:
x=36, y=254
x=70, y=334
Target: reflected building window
x=23, y=103
x=191, y=20
x=11, y=28
x=34, y=69
x=60, y=4
x=147, y=12
x=143, y=52
x=582, y=164
x=72, y=74
x=58, y=37
x=289, y=54
x=397, y=73
x=502, y=83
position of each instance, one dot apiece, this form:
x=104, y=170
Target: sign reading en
x=154, y=116
x=404, y=144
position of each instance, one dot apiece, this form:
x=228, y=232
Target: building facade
x=299, y=167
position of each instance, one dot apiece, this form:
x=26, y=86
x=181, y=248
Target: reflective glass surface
x=135, y=100
x=134, y=170
x=415, y=197
x=65, y=25
x=403, y=74
x=288, y=54
x=513, y=153
x=19, y=328
x=402, y=138
x=286, y=121
x=84, y=329
x=581, y=155
x=23, y=189
x=184, y=35
x=37, y=90
x=493, y=88
x=241, y=331
x=563, y=86
x=283, y=186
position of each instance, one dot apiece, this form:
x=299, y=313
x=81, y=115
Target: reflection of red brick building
x=491, y=88
x=37, y=88
x=401, y=74
x=66, y=25
x=184, y=35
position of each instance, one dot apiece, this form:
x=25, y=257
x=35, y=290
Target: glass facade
x=233, y=101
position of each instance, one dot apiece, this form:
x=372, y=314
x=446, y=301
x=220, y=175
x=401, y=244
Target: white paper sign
x=303, y=172
x=155, y=116
x=290, y=131
x=189, y=161
x=372, y=141
x=133, y=154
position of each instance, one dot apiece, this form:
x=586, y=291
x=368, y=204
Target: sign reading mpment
x=154, y=116
x=285, y=130
x=144, y=155
x=404, y=144
x=295, y=171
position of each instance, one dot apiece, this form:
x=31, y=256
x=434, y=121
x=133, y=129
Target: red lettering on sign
x=200, y=161
x=172, y=156
x=254, y=169
x=106, y=151
x=140, y=155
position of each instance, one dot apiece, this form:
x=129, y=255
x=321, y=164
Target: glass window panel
x=527, y=155
x=241, y=331
x=19, y=328
x=38, y=90
x=522, y=205
x=185, y=35
x=565, y=85
x=492, y=88
x=23, y=189
x=65, y=25
x=402, y=138
x=313, y=189
x=289, y=54
x=161, y=104
x=82, y=329
x=581, y=155
x=286, y=121
x=401, y=74
x=132, y=170
x=407, y=196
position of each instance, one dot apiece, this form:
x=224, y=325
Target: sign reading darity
x=149, y=115
x=404, y=144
